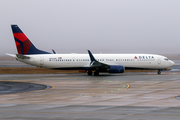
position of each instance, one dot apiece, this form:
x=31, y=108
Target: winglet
x=53, y=51
x=91, y=57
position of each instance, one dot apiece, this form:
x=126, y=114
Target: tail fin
x=23, y=44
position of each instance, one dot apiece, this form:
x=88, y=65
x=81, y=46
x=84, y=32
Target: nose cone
x=171, y=63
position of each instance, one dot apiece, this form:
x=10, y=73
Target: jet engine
x=116, y=69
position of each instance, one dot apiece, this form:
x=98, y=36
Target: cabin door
x=159, y=61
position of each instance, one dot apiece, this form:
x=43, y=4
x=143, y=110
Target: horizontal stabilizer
x=12, y=55
x=22, y=56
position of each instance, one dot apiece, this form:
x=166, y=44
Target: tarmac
x=128, y=96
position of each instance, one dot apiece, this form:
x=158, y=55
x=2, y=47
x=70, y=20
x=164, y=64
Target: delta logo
x=144, y=57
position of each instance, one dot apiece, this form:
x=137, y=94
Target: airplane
x=91, y=63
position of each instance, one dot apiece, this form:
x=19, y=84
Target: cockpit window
x=166, y=59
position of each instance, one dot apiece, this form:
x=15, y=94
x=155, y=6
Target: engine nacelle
x=116, y=69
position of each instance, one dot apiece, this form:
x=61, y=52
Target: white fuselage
x=82, y=61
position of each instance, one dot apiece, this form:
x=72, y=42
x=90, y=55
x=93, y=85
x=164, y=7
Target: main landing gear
x=96, y=73
x=159, y=72
x=89, y=72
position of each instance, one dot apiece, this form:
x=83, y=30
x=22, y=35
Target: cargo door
x=41, y=61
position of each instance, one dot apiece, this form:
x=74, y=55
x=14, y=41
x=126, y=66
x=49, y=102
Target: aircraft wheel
x=89, y=72
x=96, y=73
x=159, y=72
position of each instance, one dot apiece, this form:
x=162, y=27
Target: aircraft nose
x=171, y=63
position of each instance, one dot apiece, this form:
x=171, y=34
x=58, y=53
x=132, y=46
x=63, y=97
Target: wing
x=96, y=64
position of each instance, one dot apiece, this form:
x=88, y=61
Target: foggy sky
x=106, y=26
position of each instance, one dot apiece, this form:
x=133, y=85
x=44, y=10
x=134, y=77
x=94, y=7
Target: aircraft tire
x=96, y=73
x=159, y=72
x=89, y=72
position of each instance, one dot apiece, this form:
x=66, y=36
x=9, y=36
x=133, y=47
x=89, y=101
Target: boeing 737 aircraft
x=92, y=63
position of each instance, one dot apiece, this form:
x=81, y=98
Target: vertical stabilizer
x=23, y=44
